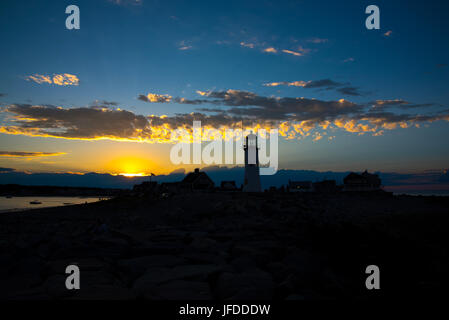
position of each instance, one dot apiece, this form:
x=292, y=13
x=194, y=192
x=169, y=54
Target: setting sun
x=141, y=174
x=130, y=166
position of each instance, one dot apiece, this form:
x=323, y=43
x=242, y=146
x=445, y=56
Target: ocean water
x=20, y=203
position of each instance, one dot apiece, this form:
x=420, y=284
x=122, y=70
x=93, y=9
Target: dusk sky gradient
x=129, y=49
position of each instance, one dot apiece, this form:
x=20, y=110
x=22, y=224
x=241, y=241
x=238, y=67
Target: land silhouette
x=215, y=244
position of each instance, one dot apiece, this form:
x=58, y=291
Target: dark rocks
x=148, y=249
x=55, y=287
x=183, y=290
x=251, y=284
x=154, y=277
x=200, y=271
x=104, y=292
x=137, y=266
x=243, y=263
x=232, y=248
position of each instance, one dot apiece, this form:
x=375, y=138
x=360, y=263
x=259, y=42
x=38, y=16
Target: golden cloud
x=295, y=118
x=270, y=50
x=155, y=98
x=29, y=154
x=64, y=79
x=298, y=54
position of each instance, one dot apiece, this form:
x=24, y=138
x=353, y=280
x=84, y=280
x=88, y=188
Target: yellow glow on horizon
x=130, y=166
x=131, y=175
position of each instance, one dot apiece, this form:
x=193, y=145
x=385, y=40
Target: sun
x=130, y=166
x=131, y=175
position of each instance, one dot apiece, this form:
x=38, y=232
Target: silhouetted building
x=362, y=182
x=252, y=172
x=228, y=186
x=325, y=186
x=299, y=186
x=197, y=180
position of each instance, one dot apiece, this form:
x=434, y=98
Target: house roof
x=194, y=176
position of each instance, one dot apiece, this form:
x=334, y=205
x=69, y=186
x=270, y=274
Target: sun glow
x=131, y=175
x=131, y=166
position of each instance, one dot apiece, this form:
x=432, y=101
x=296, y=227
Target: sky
x=105, y=98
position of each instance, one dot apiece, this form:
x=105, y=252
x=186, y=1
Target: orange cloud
x=293, y=117
x=284, y=83
x=154, y=97
x=298, y=54
x=64, y=79
x=270, y=50
x=29, y=154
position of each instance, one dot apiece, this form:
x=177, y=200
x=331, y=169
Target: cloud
x=127, y=2
x=389, y=102
x=392, y=103
x=5, y=170
x=39, y=79
x=300, y=51
x=285, y=83
x=326, y=84
x=247, y=45
x=64, y=79
x=294, y=117
x=104, y=103
x=250, y=105
x=388, y=33
x=184, y=45
x=298, y=54
x=349, y=60
x=75, y=123
x=29, y=154
x=270, y=50
x=317, y=40
x=153, y=97
x=350, y=91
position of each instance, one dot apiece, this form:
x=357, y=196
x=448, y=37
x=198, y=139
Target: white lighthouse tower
x=252, y=174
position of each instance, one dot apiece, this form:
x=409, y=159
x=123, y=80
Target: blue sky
x=125, y=49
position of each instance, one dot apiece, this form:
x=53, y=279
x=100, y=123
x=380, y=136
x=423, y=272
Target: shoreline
x=62, y=201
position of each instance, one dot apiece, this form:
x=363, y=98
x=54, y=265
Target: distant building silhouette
x=252, y=171
x=325, y=186
x=197, y=180
x=299, y=186
x=362, y=182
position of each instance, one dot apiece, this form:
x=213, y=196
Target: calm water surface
x=20, y=203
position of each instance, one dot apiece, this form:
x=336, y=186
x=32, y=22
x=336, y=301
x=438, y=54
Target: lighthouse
x=252, y=174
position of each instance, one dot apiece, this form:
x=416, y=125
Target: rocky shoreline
x=203, y=246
